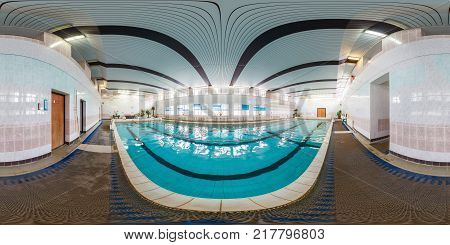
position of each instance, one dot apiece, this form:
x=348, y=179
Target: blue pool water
x=223, y=161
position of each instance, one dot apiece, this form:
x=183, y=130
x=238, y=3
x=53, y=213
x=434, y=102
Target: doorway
x=58, y=115
x=321, y=112
x=82, y=116
x=379, y=108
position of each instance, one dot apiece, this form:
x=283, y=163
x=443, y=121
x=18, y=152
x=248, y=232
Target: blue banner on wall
x=259, y=108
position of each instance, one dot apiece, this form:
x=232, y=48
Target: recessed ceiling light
x=351, y=59
x=78, y=37
x=58, y=28
x=378, y=34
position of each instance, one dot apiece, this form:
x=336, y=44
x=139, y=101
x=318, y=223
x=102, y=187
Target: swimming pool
x=222, y=161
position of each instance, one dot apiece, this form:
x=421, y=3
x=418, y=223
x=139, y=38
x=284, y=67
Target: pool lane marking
x=293, y=141
x=213, y=177
x=226, y=144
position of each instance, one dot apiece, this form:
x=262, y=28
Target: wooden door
x=321, y=112
x=82, y=116
x=57, y=120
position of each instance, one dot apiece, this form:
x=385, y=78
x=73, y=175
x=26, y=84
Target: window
x=169, y=95
x=259, y=92
x=183, y=110
x=220, y=110
x=260, y=110
x=241, y=109
x=241, y=91
x=182, y=93
x=200, y=91
x=168, y=110
x=220, y=91
x=200, y=110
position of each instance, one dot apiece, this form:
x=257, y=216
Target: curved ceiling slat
x=327, y=11
x=137, y=83
x=297, y=77
x=298, y=48
x=168, y=12
x=222, y=42
x=301, y=26
x=137, y=68
x=305, y=82
x=299, y=67
x=142, y=33
x=142, y=53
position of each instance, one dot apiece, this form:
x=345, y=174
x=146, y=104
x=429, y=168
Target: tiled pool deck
x=354, y=187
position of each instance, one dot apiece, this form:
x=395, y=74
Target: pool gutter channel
x=293, y=192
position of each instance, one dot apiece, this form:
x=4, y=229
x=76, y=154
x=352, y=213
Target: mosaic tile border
x=15, y=163
x=431, y=163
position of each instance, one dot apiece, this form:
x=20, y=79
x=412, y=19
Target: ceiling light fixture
x=351, y=59
x=58, y=28
x=378, y=34
x=78, y=37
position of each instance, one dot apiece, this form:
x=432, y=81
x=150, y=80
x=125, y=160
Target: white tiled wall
x=356, y=105
x=29, y=71
x=419, y=87
x=420, y=108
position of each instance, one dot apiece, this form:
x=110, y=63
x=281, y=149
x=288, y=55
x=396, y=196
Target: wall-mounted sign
x=245, y=107
x=45, y=104
x=259, y=108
